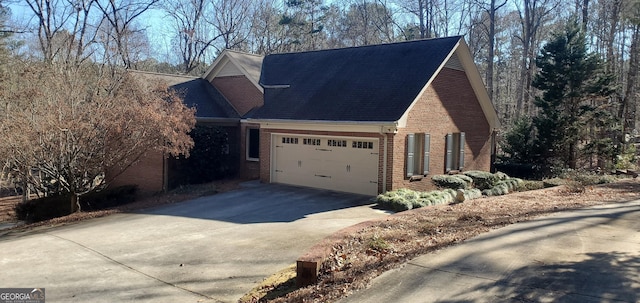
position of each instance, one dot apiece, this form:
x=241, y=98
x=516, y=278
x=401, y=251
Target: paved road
x=588, y=255
x=206, y=250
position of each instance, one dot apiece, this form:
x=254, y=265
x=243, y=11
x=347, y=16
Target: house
x=362, y=120
x=373, y=118
x=228, y=90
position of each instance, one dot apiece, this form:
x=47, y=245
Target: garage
x=344, y=164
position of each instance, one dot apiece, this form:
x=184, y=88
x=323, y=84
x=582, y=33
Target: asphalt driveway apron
x=211, y=249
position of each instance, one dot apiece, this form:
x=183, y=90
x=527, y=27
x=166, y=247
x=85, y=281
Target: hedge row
x=60, y=205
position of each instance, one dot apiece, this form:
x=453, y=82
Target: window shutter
x=427, y=147
x=449, y=155
x=411, y=142
x=462, y=141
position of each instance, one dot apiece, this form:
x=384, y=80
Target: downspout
x=384, y=160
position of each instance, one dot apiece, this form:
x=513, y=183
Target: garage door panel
x=341, y=164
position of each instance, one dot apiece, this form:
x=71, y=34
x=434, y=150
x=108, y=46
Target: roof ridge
x=371, y=45
x=162, y=74
x=243, y=53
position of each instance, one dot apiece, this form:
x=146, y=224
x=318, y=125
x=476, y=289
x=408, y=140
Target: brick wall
x=241, y=93
x=448, y=105
x=148, y=174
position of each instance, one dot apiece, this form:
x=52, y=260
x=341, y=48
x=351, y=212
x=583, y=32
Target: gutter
x=220, y=120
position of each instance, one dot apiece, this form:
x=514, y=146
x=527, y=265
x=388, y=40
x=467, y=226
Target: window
x=309, y=141
x=455, y=151
x=253, y=144
x=338, y=143
x=362, y=144
x=418, y=149
x=289, y=140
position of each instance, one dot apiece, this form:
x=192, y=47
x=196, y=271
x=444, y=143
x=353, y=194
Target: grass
x=274, y=286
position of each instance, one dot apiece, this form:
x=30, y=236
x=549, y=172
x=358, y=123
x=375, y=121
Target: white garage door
x=334, y=163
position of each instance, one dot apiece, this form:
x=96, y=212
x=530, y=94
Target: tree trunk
x=75, y=203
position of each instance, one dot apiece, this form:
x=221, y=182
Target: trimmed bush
x=108, y=198
x=527, y=185
x=482, y=180
x=44, y=208
x=447, y=181
x=60, y=205
x=466, y=179
x=472, y=193
x=503, y=187
x=405, y=199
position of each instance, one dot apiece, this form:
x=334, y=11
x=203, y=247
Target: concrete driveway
x=587, y=255
x=206, y=250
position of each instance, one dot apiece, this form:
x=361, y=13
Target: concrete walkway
x=588, y=255
x=212, y=249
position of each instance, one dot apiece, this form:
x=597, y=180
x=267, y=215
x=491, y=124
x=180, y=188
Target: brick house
x=363, y=119
x=227, y=91
x=373, y=118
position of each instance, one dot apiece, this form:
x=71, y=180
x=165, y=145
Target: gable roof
x=377, y=83
x=249, y=65
x=369, y=83
x=197, y=93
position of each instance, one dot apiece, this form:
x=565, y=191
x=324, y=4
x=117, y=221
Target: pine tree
x=575, y=87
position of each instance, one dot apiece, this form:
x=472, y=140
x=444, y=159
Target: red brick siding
x=241, y=93
x=265, y=148
x=148, y=174
x=448, y=105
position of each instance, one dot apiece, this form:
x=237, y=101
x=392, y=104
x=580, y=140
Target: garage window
x=417, y=158
x=253, y=144
x=310, y=141
x=337, y=143
x=362, y=144
x=455, y=151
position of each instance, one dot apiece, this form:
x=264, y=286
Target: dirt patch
x=7, y=208
x=357, y=257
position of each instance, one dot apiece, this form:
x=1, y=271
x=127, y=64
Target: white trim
x=473, y=75
x=402, y=122
x=224, y=58
x=332, y=126
x=247, y=144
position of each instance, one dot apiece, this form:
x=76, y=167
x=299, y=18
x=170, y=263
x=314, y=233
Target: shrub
x=108, y=198
x=452, y=182
x=503, y=187
x=60, y=205
x=44, y=208
x=527, y=185
x=406, y=199
x=482, y=180
x=553, y=182
x=472, y=193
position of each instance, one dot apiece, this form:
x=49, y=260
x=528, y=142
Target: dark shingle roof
x=207, y=100
x=370, y=83
x=196, y=92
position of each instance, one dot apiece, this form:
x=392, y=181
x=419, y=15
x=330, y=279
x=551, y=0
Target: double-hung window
x=417, y=158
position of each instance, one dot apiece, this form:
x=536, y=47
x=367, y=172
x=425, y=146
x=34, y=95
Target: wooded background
x=505, y=36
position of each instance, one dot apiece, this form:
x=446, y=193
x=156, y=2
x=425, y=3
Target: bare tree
x=533, y=15
x=64, y=127
x=231, y=20
x=118, y=26
x=193, y=36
